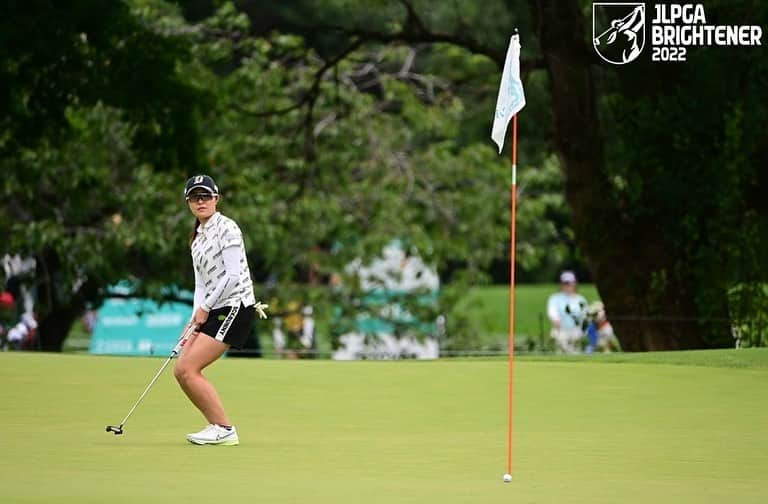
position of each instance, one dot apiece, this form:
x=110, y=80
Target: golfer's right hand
x=199, y=318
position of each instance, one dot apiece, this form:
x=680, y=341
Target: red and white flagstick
x=513, y=218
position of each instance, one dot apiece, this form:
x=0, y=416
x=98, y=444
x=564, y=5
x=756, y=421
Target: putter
x=188, y=330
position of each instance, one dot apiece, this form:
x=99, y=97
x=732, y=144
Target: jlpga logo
x=618, y=31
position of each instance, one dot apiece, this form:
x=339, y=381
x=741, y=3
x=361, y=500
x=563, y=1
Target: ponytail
x=193, y=233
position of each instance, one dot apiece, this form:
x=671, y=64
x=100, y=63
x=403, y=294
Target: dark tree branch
x=410, y=36
x=308, y=98
x=414, y=31
x=412, y=21
x=274, y=112
x=314, y=93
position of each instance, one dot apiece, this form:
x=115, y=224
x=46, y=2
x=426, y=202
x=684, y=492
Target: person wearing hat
x=566, y=312
x=224, y=306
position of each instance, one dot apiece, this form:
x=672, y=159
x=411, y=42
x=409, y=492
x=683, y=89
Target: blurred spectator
x=307, y=339
x=600, y=334
x=567, y=311
x=292, y=324
x=278, y=338
x=440, y=326
x=22, y=335
x=293, y=330
x=7, y=317
x=89, y=320
x=7, y=301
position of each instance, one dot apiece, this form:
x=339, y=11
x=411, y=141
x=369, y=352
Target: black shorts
x=230, y=324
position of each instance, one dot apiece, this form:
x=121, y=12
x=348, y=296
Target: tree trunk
x=57, y=307
x=55, y=326
x=624, y=258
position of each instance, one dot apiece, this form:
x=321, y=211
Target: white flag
x=511, y=98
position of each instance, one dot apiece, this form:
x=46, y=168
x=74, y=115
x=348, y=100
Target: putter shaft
x=187, y=333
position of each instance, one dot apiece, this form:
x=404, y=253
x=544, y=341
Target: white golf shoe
x=214, y=435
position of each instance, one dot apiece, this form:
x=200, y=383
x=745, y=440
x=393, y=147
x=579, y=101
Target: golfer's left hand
x=260, y=307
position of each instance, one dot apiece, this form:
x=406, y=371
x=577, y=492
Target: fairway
x=388, y=432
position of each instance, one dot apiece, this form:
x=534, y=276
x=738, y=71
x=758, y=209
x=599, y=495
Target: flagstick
x=513, y=204
x=510, y=101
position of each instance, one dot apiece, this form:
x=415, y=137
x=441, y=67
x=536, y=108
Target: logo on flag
x=618, y=31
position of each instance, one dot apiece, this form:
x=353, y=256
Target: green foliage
x=697, y=169
x=58, y=55
x=334, y=127
x=748, y=304
x=545, y=236
x=91, y=203
x=99, y=126
x=324, y=152
x=362, y=167
x=323, y=166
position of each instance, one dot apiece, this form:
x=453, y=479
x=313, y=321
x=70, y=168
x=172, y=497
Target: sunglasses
x=200, y=197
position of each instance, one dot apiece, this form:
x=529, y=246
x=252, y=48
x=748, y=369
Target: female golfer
x=224, y=306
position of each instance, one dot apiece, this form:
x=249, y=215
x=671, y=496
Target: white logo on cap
x=198, y=179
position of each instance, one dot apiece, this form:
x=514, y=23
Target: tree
x=687, y=242
x=334, y=128
x=98, y=124
x=329, y=159
x=343, y=69
x=325, y=158
x=609, y=187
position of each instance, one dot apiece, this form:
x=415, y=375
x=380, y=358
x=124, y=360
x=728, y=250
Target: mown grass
x=594, y=430
x=756, y=358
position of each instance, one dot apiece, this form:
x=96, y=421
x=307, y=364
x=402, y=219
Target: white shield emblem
x=618, y=31
x=198, y=179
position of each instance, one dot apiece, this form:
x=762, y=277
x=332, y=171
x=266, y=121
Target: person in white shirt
x=566, y=311
x=224, y=306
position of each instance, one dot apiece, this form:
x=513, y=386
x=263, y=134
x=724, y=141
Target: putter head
x=115, y=429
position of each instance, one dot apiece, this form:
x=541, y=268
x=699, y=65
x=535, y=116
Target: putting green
x=387, y=432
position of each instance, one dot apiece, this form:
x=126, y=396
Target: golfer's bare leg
x=197, y=355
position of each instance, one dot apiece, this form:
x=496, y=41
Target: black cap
x=203, y=182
